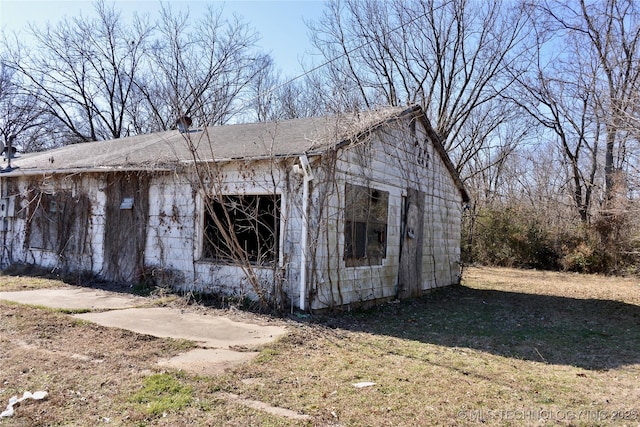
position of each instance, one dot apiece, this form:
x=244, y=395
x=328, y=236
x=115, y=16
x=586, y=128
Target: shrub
x=508, y=237
x=517, y=237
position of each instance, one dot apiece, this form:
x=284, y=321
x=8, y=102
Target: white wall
x=388, y=162
x=174, y=237
x=16, y=249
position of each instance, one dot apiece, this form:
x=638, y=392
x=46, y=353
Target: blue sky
x=280, y=23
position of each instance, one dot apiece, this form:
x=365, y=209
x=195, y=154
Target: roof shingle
x=165, y=150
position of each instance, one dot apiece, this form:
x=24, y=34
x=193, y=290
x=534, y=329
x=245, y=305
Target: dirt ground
x=507, y=347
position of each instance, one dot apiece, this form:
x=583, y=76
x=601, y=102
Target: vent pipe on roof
x=184, y=123
x=9, y=151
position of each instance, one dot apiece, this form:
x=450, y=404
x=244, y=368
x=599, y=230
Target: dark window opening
x=242, y=228
x=365, y=225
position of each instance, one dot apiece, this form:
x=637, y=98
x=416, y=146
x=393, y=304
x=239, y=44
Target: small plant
x=154, y=280
x=267, y=355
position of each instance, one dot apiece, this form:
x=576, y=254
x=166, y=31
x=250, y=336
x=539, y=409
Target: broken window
x=365, y=225
x=239, y=228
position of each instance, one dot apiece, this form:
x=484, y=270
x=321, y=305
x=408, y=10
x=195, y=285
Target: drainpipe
x=308, y=177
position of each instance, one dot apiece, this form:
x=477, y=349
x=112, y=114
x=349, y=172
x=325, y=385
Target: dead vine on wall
x=126, y=217
x=58, y=222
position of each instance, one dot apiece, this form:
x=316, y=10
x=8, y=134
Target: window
x=365, y=225
x=58, y=222
x=46, y=221
x=242, y=227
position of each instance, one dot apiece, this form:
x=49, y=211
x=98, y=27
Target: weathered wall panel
x=393, y=161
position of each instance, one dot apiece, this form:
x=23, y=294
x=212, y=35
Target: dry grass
x=10, y=283
x=509, y=347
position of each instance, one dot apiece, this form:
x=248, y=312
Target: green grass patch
x=53, y=309
x=73, y=310
x=163, y=393
x=267, y=355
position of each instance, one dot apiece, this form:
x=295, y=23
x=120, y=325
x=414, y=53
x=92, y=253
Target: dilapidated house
x=313, y=212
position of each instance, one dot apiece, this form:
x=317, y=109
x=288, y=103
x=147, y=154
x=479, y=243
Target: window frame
x=366, y=223
x=45, y=221
x=260, y=236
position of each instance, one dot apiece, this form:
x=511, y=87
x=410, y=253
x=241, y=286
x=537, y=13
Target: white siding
x=174, y=238
x=388, y=162
x=16, y=248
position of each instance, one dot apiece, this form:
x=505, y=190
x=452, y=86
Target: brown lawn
x=508, y=347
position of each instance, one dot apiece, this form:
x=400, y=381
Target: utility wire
x=324, y=64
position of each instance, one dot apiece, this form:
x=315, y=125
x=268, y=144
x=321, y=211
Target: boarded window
x=242, y=228
x=46, y=222
x=58, y=223
x=126, y=216
x=365, y=225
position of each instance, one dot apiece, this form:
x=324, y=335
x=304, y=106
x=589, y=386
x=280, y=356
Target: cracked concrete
x=223, y=343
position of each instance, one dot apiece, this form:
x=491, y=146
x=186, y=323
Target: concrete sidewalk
x=206, y=330
x=74, y=299
x=218, y=337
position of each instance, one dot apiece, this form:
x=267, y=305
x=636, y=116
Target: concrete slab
x=74, y=299
x=209, y=331
x=208, y=361
x=225, y=343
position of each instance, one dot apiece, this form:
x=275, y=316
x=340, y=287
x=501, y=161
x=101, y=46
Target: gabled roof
x=169, y=149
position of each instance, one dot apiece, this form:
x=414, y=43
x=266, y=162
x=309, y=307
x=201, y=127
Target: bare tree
x=82, y=71
x=608, y=33
x=560, y=98
x=451, y=57
x=262, y=92
x=583, y=86
x=276, y=98
x=489, y=182
x=199, y=67
x=22, y=123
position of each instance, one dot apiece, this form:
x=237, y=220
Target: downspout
x=308, y=177
x=4, y=224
